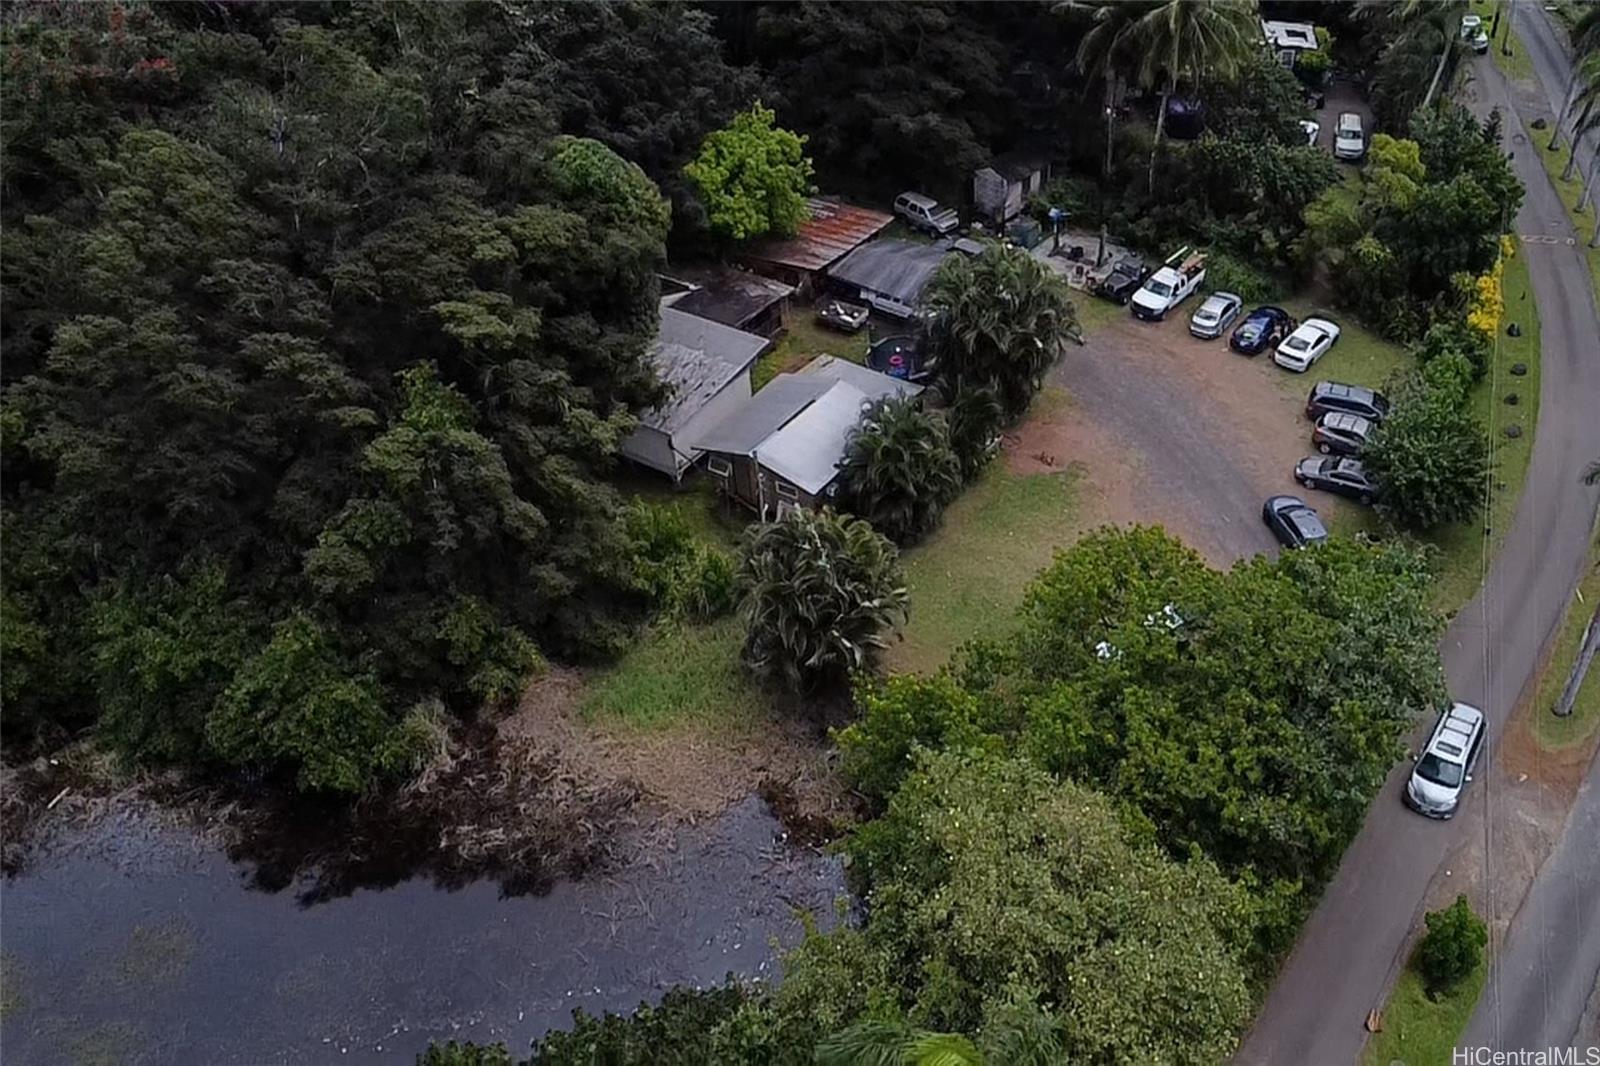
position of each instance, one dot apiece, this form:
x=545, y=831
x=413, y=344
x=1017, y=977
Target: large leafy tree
x=318, y=340
x=900, y=470
x=752, y=176
x=821, y=591
x=1250, y=714
x=997, y=321
x=991, y=887
x=1431, y=454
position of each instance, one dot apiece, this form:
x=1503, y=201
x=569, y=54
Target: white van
x=1445, y=765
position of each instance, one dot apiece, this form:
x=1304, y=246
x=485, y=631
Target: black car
x=1124, y=280
x=1329, y=396
x=1292, y=522
x=1262, y=329
x=1338, y=474
x=1341, y=434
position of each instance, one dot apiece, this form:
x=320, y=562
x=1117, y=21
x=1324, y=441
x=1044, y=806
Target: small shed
x=890, y=274
x=739, y=298
x=783, y=446
x=832, y=229
x=707, y=367
x=1288, y=39
x=1000, y=191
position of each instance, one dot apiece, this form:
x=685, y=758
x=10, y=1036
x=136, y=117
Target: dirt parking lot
x=1178, y=431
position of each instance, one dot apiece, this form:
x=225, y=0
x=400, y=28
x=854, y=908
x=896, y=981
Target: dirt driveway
x=1176, y=431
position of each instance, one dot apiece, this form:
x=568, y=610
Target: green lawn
x=677, y=673
x=1571, y=193
x=967, y=579
x=1551, y=732
x=1416, y=1030
x=803, y=340
x=1464, y=550
x=1095, y=313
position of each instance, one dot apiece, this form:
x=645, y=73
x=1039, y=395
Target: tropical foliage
x=1277, y=692
x=997, y=321
x=820, y=593
x=752, y=177
x=319, y=338
x=900, y=470
x=1429, y=211
x=1451, y=948
x=1431, y=454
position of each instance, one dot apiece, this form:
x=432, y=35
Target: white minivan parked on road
x=1445, y=765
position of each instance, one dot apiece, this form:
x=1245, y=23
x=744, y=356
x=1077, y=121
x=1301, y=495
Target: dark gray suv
x=1330, y=396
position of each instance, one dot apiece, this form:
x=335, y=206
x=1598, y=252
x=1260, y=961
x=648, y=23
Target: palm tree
x=899, y=470
x=1190, y=41
x=819, y=591
x=1108, y=52
x=997, y=320
x=1585, y=37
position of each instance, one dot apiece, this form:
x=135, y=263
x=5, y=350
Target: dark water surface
x=135, y=942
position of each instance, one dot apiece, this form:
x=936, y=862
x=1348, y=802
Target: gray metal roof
x=897, y=269
x=763, y=414
x=806, y=451
x=697, y=358
x=873, y=385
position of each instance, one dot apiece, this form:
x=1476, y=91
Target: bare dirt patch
x=690, y=771
x=1173, y=431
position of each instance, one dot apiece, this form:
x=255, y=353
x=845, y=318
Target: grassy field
x=1418, y=1031
x=677, y=673
x=1551, y=732
x=1571, y=193
x=1094, y=313
x=696, y=500
x=803, y=340
x=967, y=579
x=1464, y=549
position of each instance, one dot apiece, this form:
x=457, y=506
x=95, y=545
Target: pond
x=134, y=941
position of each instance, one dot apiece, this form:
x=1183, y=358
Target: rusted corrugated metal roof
x=833, y=229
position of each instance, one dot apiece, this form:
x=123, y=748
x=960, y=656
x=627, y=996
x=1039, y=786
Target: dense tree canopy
x=1250, y=714
x=317, y=337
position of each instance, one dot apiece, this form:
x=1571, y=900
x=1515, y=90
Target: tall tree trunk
x=1588, y=186
x=1566, y=109
x=1111, y=122
x=1161, y=128
x=1577, y=136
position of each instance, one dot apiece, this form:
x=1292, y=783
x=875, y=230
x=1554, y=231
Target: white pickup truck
x=1168, y=287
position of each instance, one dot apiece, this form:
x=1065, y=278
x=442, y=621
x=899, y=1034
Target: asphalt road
x=1551, y=61
x=1546, y=970
x=1350, y=949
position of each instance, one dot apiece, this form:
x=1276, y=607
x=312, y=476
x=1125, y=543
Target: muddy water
x=134, y=942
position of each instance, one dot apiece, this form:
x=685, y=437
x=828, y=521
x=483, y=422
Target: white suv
x=1445, y=765
x=1349, y=139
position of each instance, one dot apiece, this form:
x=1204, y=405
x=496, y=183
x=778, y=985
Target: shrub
x=975, y=420
x=1453, y=336
x=1226, y=274
x=682, y=577
x=819, y=590
x=899, y=470
x=1451, y=948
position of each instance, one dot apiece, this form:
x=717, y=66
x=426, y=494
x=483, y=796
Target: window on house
x=719, y=467
x=788, y=491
